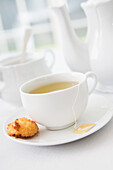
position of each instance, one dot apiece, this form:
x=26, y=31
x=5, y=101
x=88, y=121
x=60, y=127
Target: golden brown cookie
x=22, y=128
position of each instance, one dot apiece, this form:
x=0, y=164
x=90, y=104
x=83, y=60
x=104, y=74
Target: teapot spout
x=75, y=50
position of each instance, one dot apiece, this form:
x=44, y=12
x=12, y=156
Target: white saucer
x=104, y=89
x=99, y=111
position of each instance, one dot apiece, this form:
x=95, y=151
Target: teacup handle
x=91, y=74
x=52, y=55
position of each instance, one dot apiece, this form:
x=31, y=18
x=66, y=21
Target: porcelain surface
x=99, y=111
x=96, y=52
x=13, y=73
x=57, y=109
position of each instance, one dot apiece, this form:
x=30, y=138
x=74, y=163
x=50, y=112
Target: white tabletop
x=94, y=152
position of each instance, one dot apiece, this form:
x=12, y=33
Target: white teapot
x=96, y=52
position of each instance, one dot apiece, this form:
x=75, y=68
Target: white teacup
x=14, y=73
x=57, y=109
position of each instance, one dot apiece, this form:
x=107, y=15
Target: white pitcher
x=102, y=51
x=14, y=73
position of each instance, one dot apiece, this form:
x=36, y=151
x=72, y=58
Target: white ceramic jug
x=14, y=73
x=101, y=55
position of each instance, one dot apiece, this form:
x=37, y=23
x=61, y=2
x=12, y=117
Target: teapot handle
x=93, y=75
x=52, y=62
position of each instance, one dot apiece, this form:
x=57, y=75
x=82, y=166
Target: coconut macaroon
x=22, y=128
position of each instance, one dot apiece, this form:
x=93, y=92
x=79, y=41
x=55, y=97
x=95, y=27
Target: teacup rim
x=53, y=92
x=17, y=56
